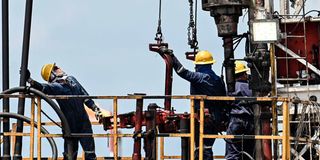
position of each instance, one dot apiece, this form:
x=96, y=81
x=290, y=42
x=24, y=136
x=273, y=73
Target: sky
x=104, y=44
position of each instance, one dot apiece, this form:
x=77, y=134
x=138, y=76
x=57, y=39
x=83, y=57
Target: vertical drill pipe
x=265, y=122
x=137, y=129
x=168, y=79
x=274, y=103
x=261, y=112
x=23, y=70
x=5, y=76
x=184, y=128
x=229, y=63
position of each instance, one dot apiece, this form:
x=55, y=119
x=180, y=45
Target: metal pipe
x=5, y=77
x=259, y=63
x=162, y=148
x=43, y=130
x=284, y=7
x=65, y=126
x=32, y=128
x=266, y=130
x=274, y=103
x=184, y=128
x=38, y=132
x=115, y=128
x=150, y=135
x=286, y=132
x=229, y=62
x=137, y=129
x=168, y=79
x=155, y=131
x=192, y=129
x=23, y=71
x=201, y=129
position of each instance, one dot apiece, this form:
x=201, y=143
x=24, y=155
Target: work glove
x=32, y=82
x=97, y=113
x=166, y=50
x=28, y=75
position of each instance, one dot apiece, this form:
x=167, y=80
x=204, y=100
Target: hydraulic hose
x=43, y=130
x=65, y=126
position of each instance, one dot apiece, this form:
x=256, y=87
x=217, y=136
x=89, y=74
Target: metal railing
x=285, y=137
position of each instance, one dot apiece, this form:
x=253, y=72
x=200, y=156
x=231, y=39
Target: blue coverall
x=241, y=122
x=74, y=112
x=204, y=82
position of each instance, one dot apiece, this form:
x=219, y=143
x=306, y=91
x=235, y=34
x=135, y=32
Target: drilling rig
x=281, y=50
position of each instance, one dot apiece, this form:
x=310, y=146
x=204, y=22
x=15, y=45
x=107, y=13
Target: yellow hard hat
x=204, y=57
x=240, y=67
x=46, y=71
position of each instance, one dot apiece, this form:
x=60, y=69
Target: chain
x=191, y=22
x=158, y=37
x=192, y=29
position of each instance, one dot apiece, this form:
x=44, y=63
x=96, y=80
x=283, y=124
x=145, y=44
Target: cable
x=303, y=17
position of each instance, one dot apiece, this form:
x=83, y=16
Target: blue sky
x=104, y=44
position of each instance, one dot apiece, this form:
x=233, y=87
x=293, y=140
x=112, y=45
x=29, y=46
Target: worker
x=59, y=83
x=203, y=81
x=241, y=118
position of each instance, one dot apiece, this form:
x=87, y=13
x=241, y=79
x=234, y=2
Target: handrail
x=285, y=137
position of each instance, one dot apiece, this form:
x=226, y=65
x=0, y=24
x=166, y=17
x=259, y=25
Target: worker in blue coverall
x=241, y=118
x=203, y=81
x=59, y=83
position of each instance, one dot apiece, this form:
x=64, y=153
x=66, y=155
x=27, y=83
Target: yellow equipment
x=46, y=71
x=204, y=57
x=240, y=67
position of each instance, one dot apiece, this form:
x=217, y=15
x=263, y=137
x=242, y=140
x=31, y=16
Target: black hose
x=43, y=130
x=65, y=126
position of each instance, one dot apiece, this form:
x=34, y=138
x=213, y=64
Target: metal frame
x=285, y=137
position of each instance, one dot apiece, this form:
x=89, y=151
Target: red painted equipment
x=291, y=68
x=167, y=121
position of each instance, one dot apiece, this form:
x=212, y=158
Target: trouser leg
x=235, y=148
x=209, y=128
x=88, y=147
x=74, y=146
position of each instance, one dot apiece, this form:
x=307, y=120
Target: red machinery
x=304, y=42
x=167, y=121
x=156, y=120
